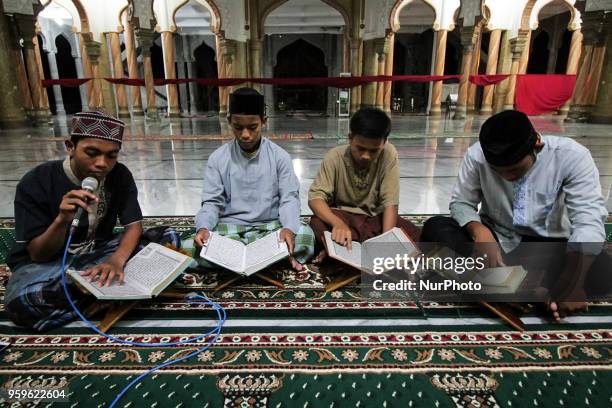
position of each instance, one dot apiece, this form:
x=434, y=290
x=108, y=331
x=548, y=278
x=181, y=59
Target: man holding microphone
x=47, y=201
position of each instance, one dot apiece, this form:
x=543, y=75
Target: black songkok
x=243, y=103
x=507, y=137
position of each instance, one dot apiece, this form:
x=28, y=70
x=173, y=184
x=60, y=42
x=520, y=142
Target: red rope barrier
x=336, y=82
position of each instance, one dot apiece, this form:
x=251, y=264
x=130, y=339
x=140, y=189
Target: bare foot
x=320, y=257
x=563, y=309
x=552, y=306
x=295, y=264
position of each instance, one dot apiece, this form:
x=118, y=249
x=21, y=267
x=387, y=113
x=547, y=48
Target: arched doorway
x=196, y=24
x=553, y=19
x=67, y=69
x=300, y=59
x=538, y=55
x=297, y=33
x=412, y=56
x=206, y=97
x=414, y=40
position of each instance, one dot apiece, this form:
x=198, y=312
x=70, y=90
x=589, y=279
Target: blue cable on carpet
x=221, y=318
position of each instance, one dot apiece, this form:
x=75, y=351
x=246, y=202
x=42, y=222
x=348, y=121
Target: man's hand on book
x=486, y=245
x=105, y=273
x=341, y=234
x=201, y=237
x=288, y=237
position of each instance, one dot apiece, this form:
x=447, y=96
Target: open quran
x=244, y=259
x=146, y=274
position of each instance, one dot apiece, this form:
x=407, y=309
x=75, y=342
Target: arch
x=66, y=68
x=288, y=40
x=266, y=12
x=70, y=8
x=300, y=58
x=77, y=13
x=400, y=4
x=534, y=17
x=212, y=8
x=206, y=98
x=538, y=59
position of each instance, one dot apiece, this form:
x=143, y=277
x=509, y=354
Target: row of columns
x=595, y=28
x=511, y=56
x=369, y=57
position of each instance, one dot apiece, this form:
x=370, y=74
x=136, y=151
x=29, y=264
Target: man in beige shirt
x=356, y=191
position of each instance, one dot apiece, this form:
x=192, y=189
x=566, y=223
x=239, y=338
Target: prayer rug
x=302, y=347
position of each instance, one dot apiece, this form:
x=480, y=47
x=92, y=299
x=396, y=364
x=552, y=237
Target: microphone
x=88, y=184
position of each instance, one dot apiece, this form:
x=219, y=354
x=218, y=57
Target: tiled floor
x=169, y=170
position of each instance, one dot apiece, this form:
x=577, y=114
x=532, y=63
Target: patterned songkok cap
x=97, y=124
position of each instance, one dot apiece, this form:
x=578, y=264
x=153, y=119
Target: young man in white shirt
x=530, y=188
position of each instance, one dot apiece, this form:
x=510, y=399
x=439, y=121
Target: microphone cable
x=192, y=299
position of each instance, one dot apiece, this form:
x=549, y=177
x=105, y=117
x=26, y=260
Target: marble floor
x=168, y=157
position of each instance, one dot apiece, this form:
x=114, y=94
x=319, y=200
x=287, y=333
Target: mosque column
x=86, y=70
x=471, y=98
x=517, y=46
x=579, y=109
x=356, y=64
x=487, y=97
x=183, y=94
x=388, y=85
x=12, y=113
x=467, y=46
x=17, y=56
x=553, y=49
x=504, y=66
x=40, y=103
x=602, y=113
x=193, y=87
x=436, y=91
x=599, y=50
x=381, y=45
x=78, y=63
x=132, y=62
x=226, y=53
x=92, y=50
x=255, y=61
x=167, y=38
x=370, y=68
x=145, y=39
x=122, y=101
x=572, y=62
x=524, y=61
x=44, y=97
x=57, y=89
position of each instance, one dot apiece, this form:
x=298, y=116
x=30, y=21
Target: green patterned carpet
x=300, y=347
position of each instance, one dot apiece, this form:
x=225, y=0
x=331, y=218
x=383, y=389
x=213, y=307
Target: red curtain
x=484, y=80
x=538, y=94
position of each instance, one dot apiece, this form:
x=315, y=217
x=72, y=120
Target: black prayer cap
x=246, y=101
x=507, y=137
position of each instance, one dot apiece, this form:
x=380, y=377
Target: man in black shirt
x=46, y=201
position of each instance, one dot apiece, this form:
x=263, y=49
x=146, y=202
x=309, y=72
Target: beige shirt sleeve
x=323, y=185
x=389, y=185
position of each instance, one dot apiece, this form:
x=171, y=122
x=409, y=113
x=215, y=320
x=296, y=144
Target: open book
x=244, y=259
x=393, y=241
x=498, y=280
x=148, y=273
